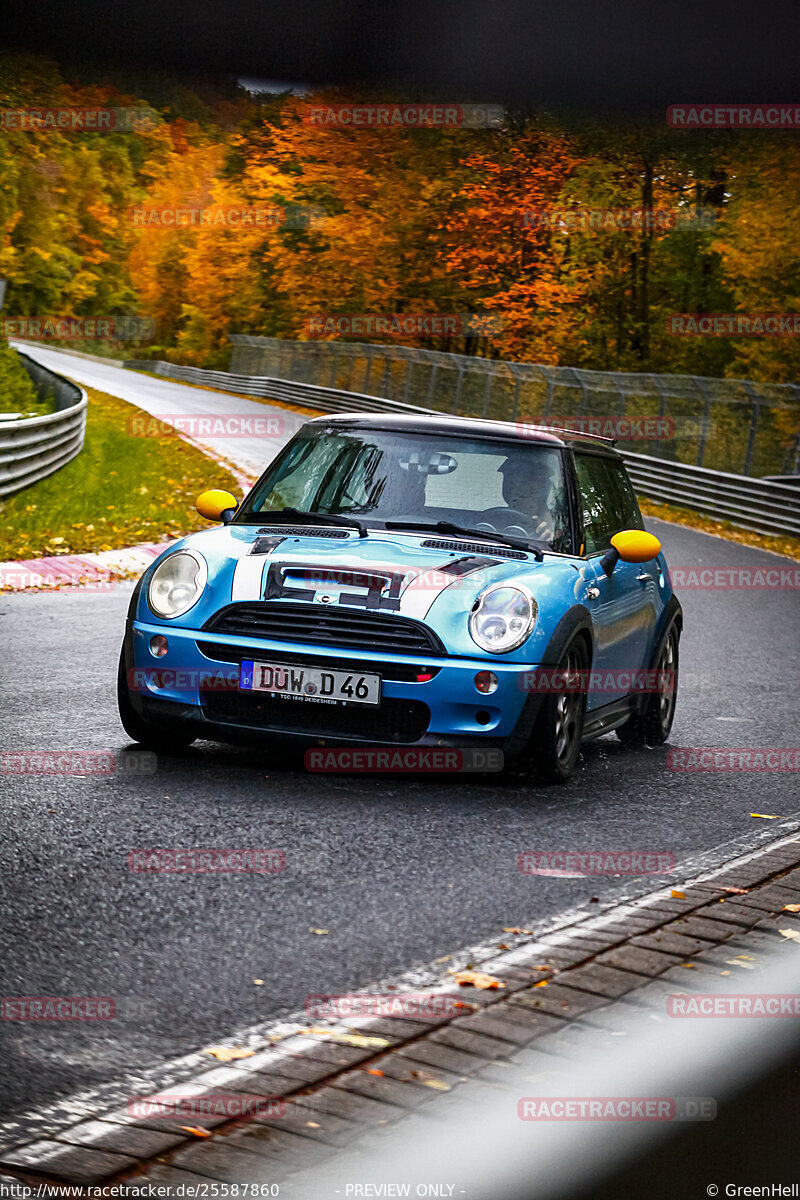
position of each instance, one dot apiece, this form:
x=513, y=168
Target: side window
x=608, y=501
x=626, y=502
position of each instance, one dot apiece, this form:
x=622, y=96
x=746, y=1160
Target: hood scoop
x=307, y=531
x=473, y=548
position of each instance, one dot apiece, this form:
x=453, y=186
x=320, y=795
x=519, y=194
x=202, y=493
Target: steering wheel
x=502, y=520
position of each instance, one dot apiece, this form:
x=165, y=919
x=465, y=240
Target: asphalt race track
x=399, y=870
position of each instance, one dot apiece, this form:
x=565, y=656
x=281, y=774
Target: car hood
x=384, y=572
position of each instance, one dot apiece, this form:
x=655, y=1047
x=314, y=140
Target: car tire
x=651, y=727
x=558, y=733
x=159, y=738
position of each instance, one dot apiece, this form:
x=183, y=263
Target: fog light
x=486, y=682
x=158, y=645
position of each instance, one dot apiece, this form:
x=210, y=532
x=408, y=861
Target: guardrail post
x=457, y=398
x=407, y=384
x=704, y=392
x=751, y=434
x=487, y=393
x=368, y=355
x=334, y=357
x=432, y=385
x=515, y=401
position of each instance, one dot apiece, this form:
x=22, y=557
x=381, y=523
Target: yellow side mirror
x=212, y=504
x=632, y=546
x=636, y=546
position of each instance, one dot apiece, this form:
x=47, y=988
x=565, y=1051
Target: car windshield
x=382, y=477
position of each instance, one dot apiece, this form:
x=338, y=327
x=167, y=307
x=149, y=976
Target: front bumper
x=197, y=687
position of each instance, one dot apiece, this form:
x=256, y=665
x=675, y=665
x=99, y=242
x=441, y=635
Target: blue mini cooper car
x=412, y=581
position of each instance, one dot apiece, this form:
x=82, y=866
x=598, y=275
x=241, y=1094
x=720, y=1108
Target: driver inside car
x=527, y=496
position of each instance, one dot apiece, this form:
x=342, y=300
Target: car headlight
x=177, y=583
x=502, y=617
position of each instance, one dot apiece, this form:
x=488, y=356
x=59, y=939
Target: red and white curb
x=89, y=572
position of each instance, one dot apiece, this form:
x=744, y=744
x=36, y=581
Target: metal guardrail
x=290, y=392
x=761, y=505
x=733, y=425
x=31, y=448
x=757, y=504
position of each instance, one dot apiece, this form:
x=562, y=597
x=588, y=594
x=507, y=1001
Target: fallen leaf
x=228, y=1053
x=791, y=908
x=689, y=966
x=514, y=929
x=738, y=891
x=724, y=972
x=676, y=895
x=258, y=982
x=437, y=1084
x=502, y=946
x=790, y=933
x=595, y=900
x=347, y=1039
x=313, y=1125
x=477, y=979
x=374, y=1071
x=745, y=966
x=319, y=931
x=767, y=817
x=195, y=1130
x=541, y=983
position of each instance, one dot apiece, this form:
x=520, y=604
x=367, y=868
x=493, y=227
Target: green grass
x=119, y=490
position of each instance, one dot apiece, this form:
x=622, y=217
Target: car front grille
x=391, y=671
x=394, y=721
x=322, y=625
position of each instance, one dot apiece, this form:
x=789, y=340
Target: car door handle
x=643, y=578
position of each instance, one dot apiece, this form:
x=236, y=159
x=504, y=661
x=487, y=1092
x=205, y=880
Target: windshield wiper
x=297, y=514
x=463, y=531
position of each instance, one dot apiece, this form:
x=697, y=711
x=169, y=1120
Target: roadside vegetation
x=121, y=489
x=789, y=547
x=17, y=391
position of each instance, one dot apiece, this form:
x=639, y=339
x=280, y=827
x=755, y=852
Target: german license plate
x=298, y=682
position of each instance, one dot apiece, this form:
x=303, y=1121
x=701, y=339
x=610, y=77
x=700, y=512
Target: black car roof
x=471, y=426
